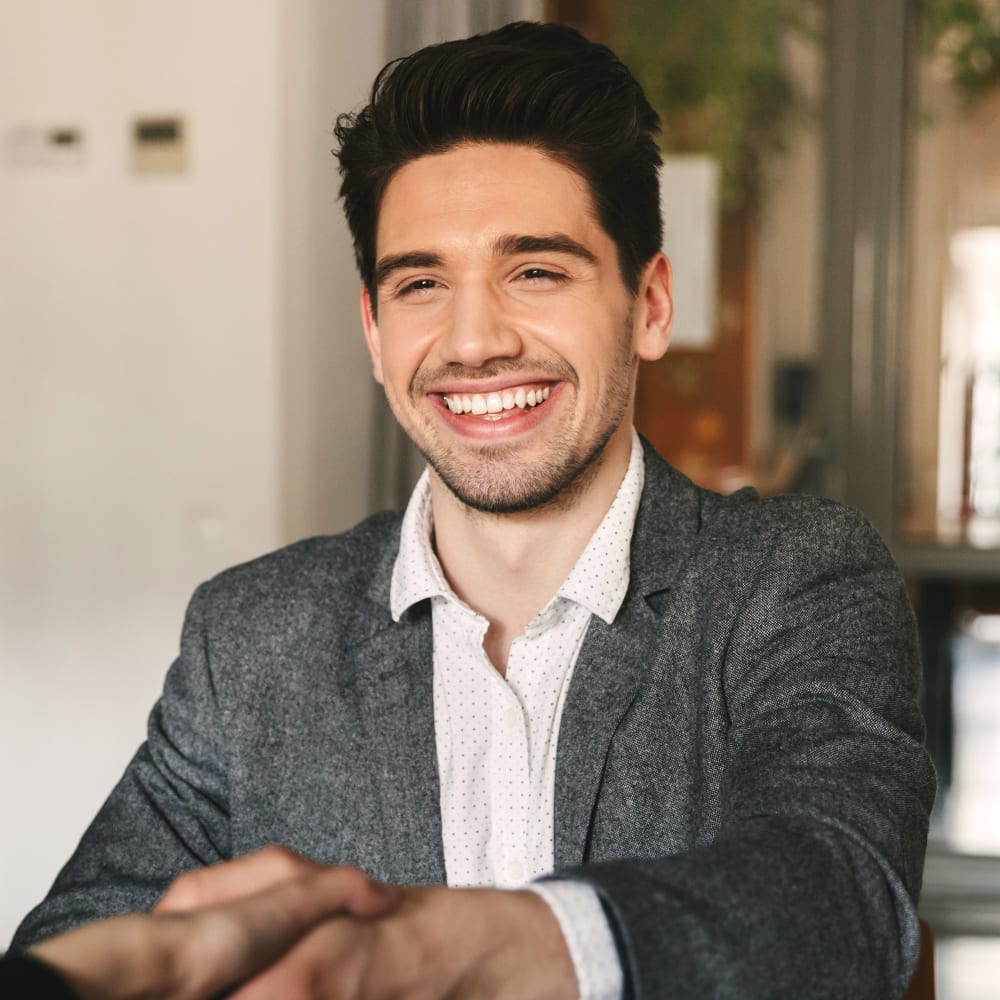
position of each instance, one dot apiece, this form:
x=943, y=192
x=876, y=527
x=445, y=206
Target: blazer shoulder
x=747, y=512
x=685, y=531
x=679, y=516
x=354, y=566
x=764, y=551
x=802, y=535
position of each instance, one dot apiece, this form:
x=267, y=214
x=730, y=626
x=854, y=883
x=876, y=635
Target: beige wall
x=182, y=381
x=330, y=53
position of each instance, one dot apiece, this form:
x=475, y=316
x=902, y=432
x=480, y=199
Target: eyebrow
x=507, y=246
x=401, y=261
x=504, y=246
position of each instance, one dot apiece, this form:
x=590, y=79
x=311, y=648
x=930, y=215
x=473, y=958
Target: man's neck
x=508, y=566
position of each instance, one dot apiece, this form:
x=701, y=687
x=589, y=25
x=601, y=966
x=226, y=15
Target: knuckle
x=349, y=879
x=185, y=890
x=283, y=859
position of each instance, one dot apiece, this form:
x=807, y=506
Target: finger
x=358, y=894
x=328, y=961
x=198, y=953
x=233, y=879
x=233, y=942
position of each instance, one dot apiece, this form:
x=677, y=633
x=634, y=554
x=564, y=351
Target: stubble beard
x=499, y=484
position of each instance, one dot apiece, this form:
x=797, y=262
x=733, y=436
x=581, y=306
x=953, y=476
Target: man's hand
x=454, y=943
x=435, y=942
x=249, y=912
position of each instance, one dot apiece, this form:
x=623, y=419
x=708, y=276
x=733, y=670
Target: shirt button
x=516, y=872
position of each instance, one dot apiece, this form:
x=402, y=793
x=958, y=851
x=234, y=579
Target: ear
x=371, y=335
x=654, y=309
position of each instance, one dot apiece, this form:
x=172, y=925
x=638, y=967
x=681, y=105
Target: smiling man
x=618, y=735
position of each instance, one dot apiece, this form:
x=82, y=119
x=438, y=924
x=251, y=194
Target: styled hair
x=539, y=85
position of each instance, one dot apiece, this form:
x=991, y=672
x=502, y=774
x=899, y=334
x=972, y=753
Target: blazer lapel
x=397, y=710
x=610, y=668
x=394, y=673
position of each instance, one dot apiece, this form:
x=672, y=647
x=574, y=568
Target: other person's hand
x=214, y=928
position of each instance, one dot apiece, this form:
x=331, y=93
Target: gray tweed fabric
x=740, y=771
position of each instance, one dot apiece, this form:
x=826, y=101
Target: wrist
x=519, y=951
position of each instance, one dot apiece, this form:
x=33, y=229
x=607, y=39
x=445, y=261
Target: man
x=692, y=717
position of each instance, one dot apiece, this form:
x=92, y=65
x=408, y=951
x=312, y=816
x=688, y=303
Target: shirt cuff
x=585, y=927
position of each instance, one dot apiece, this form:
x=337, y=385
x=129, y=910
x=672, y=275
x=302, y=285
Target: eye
x=540, y=274
x=420, y=285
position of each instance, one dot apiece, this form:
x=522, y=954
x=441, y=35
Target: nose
x=479, y=329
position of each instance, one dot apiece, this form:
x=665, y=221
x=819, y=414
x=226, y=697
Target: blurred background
x=183, y=384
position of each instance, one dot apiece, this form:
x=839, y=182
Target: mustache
x=533, y=371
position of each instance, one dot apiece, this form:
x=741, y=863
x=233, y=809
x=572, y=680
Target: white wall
x=182, y=383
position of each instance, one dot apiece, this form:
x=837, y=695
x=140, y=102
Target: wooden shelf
x=934, y=559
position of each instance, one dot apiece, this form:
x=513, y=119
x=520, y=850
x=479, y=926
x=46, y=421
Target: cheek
x=557, y=323
x=403, y=352
x=409, y=334
x=396, y=378
x=400, y=372
x=591, y=338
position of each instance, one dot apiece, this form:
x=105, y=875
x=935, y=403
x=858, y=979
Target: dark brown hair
x=541, y=85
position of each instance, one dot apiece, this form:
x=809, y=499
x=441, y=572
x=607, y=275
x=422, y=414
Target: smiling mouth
x=491, y=404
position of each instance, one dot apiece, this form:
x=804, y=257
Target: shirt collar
x=598, y=580
x=416, y=574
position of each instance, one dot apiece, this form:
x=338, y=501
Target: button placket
x=510, y=781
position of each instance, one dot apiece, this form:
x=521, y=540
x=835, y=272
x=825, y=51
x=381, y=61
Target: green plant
x=717, y=73
x=962, y=37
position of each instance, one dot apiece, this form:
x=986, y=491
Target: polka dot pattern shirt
x=497, y=737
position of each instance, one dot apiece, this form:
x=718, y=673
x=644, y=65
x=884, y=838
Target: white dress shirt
x=497, y=736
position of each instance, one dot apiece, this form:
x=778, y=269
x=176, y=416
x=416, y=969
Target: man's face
x=506, y=339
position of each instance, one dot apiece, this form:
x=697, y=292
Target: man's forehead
x=527, y=188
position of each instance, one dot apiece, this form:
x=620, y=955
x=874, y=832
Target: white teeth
x=496, y=402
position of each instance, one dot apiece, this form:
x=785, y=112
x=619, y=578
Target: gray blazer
x=740, y=772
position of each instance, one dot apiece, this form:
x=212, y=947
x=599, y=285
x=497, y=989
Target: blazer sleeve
x=23, y=977
x=807, y=887
x=168, y=813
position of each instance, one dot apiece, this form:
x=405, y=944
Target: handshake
x=275, y=925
